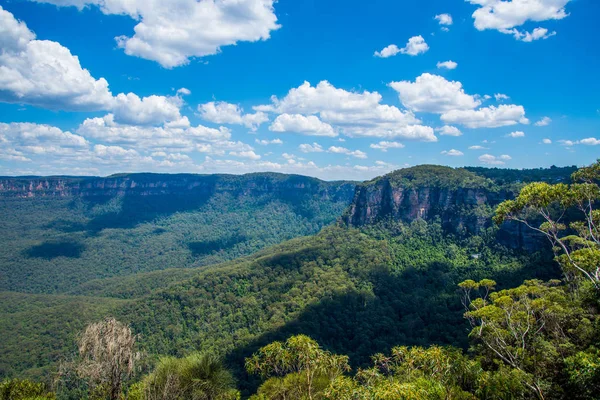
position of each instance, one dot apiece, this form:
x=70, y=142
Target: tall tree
x=108, y=356
x=575, y=237
x=296, y=369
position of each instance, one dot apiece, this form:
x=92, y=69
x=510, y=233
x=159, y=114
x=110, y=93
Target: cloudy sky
x=338, y=89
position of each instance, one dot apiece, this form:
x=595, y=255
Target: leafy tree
x=411, y=373
x=531, y=328
x=107, y=351
x=575, y=239
x=195, y=377
x=296, y=369
x=20, y=389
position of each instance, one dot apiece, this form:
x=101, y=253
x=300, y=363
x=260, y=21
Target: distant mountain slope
x=62, y=231
x=357, y=288
x=462, y=199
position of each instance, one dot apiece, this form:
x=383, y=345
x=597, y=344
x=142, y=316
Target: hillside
x=61, y=232
x=357, y=290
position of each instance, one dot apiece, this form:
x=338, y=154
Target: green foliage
x=19, y=389
x=435, y=176
x=575, y=240
x=583, y=369
x=195, y=377
x=54, y=243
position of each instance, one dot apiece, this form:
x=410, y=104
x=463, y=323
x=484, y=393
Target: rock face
x=164, y=185
x=462, y=201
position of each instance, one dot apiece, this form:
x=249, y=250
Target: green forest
x=287, y=296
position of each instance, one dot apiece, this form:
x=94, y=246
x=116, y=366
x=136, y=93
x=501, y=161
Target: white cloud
x=503, y=15
x=488, y=117
x=435, y=94
x=268, y=142
x=44, y=73
x=311, y=125
x=176, y=138
x=567, y=143
x=311, y=148
x=416, y=45
x=343, y=150
x=152, y=110
x=453, y=153
x=245, y=154
x=494, y=160
x=388, y=51
x=528, y=37
x=476, y=147
x=501, y=97
x=173, y=33
x=447, y=64
x=351, y=113
x=544, y=121
x=449, y=130
x=384, y=146
x=590, y=141
x=547, y=141
x=226, y=113
x=516, y=134
x=444, y=19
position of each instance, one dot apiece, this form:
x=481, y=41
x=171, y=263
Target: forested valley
x=427, y=283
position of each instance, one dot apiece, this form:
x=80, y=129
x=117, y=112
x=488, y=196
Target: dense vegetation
x=52, y=243
x=353, y=313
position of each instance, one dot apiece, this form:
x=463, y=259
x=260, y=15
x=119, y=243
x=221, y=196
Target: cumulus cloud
x=416, y=45
x=506, y=15
x=516, y=134
x=453, y=153
x=226, y=113
x=449, y=130
x=152, y=110
x=356, y=114
x=544, y=121
x=528, y=37
x=444, y=19
x=44, y=73
x=547, y=141
x=306, y=125
x=501, y=97
x=268, y=142
x=343, y=150
x=447, y=64
x=384, y=146
x=311, y=148
x=174, y=138
x=487, y=117
x=435, y=94
x=172, y=34
x=489, y=159
x=476, y=147
x=590, y=141
x=245, y=154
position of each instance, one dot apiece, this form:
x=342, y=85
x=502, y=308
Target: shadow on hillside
x=414, y=308
x=135, y=209
x=51, y=250
x=210, y=246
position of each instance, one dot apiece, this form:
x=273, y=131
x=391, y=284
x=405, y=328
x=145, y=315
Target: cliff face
x=462, y=201
x=161, y=185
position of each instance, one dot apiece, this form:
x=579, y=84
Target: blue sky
x=329, y=88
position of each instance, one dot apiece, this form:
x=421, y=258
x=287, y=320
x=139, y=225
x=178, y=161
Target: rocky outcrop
x=161, y=184
x=462, y=203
